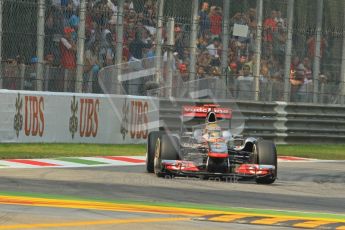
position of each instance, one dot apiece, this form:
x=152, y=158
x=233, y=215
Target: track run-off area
x=307, y=194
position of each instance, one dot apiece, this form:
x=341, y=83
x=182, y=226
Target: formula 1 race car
x=208, y=149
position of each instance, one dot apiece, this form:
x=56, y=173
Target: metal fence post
x=256, y=71
x=171, y=43
x=87, y=82
x=40, y=44
x=119, y=45
x=225, y=35
x=193, y=40
x=317, y=58
x=80, y=48
x=322, y=92
x=22, y=76
x=288, y=49
x=342, y=75
x=225, y=42
x=65, y=80
x=158, y=59
x=46, y=77
x=1, y=2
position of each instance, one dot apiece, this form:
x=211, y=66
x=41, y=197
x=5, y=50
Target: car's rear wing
x=204, y=110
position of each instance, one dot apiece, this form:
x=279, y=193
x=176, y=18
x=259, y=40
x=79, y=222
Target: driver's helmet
x=213, y=131
x=215, y=134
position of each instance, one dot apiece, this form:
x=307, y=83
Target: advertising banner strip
x=48, y=117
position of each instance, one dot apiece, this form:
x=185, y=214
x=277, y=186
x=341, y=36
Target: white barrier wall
x=48, y=117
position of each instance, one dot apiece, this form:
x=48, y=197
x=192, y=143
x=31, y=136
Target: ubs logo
x=124, y=122
x=86, y=124
x=18, y=117
x=73, y=120
x=135, y=119
x=33, y=121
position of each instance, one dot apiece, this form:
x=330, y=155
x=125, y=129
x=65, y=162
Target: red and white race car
x=206, y=148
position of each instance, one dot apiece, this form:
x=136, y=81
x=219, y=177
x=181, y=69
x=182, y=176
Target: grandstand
x=288, y=51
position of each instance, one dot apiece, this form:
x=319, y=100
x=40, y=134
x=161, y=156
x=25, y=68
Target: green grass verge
x=68, y=150
x=326, y=152
x=7, y=151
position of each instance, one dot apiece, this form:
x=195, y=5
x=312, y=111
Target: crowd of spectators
x=61, y=26
x=62, y=22
x=241, y=50
x=241, y=54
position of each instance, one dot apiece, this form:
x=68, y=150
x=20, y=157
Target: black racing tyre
x=170, y=147
x=150, y=150
x=266, y=154
x=167, y=148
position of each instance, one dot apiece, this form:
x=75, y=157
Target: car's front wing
x=189, y=168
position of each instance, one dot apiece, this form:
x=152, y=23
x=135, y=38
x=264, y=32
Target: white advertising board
x=48, y=117
x=240, y=30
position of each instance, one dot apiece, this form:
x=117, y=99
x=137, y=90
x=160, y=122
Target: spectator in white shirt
x=214, y=46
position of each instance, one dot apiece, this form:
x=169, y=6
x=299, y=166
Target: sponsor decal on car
x=201, y=111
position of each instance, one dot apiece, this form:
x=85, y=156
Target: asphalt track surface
x=302, y=186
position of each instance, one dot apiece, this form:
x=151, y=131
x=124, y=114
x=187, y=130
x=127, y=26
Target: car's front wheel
x=150, y=151
x=167, y=148
x=265, y=153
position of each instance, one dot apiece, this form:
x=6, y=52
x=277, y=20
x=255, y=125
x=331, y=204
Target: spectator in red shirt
x=312, y=47
x=216, y=21
x=68, y=49
x=270, y=25
x=269, y=29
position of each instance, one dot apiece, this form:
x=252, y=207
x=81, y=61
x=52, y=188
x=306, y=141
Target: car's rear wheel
x=150, y=151
x=265, y=153
x=167, y=148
